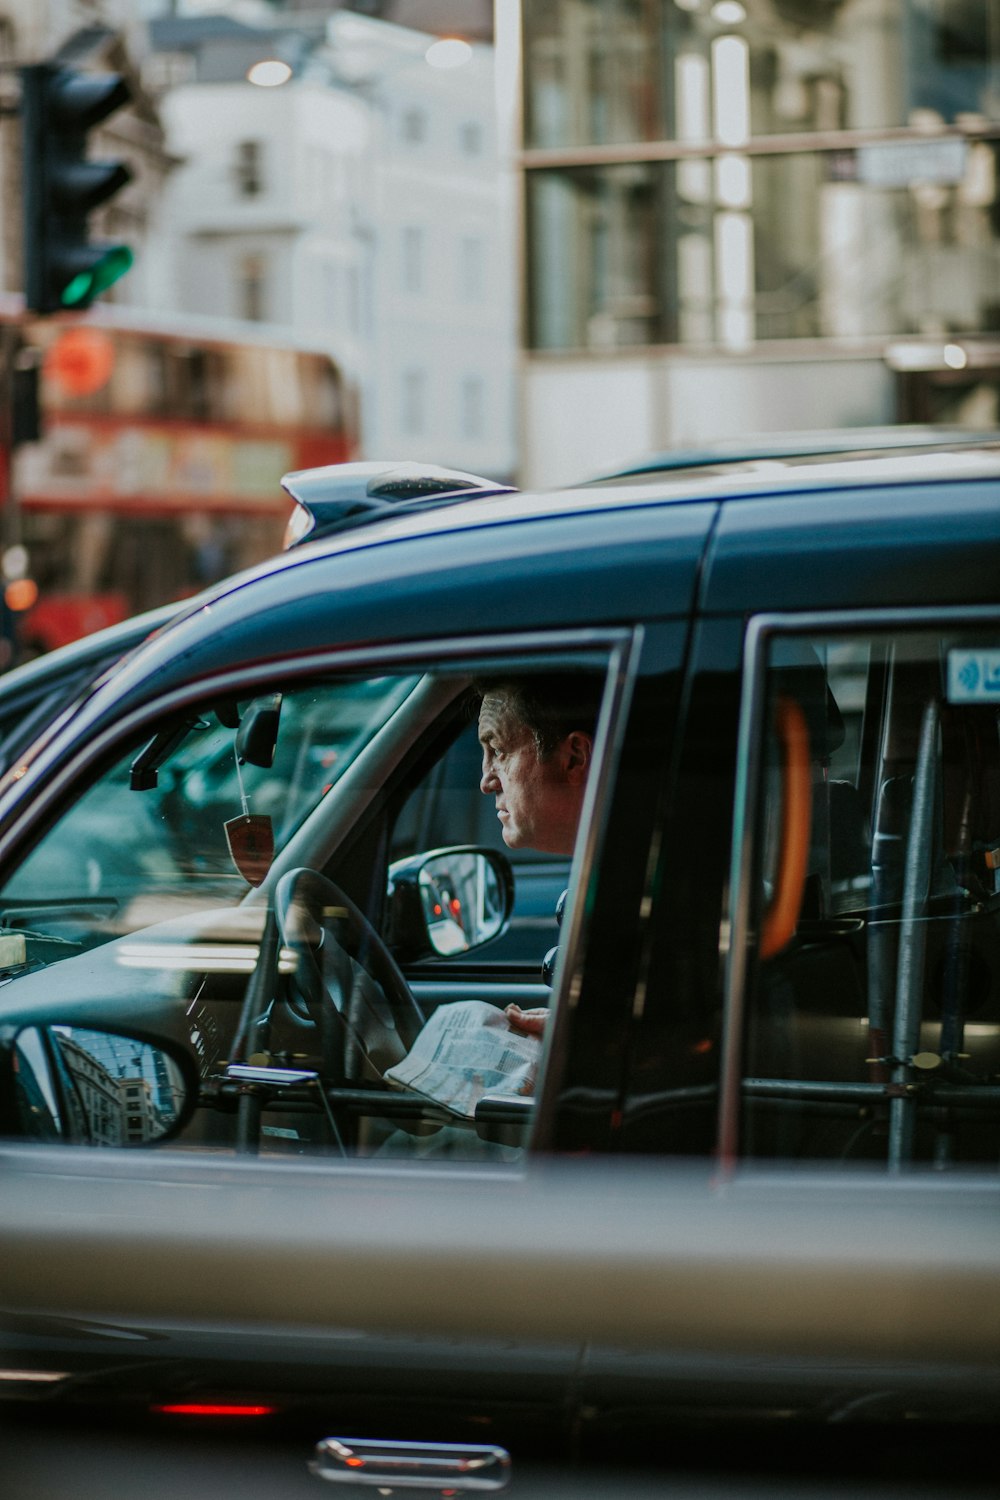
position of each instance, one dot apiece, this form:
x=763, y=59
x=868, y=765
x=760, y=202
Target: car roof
x=798, y=446
x=847, y=472
x=573, y=534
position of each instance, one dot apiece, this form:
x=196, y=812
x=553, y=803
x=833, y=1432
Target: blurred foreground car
x=777, y=983
x=33, y=695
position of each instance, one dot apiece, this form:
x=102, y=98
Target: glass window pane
x=588, y=72
x=595, y=271
x=600, y=73
x=873, y=1018
x=889, y=239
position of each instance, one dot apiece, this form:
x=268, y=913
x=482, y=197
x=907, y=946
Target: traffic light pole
x=63, y=269
x=10, y=519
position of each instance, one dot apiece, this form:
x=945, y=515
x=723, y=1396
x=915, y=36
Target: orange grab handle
x=782, y=915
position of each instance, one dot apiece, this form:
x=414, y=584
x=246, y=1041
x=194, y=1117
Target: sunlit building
x=354, y=197
x=752, y=215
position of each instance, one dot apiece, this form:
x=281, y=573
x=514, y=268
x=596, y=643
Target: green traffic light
x=88, y=284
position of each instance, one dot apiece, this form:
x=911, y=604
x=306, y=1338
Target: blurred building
x=749, y=215
x=360, y=203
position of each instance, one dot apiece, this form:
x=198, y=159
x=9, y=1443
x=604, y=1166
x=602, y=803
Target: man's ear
x=577, y=750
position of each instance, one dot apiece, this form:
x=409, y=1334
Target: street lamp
x=269, y=73
x=448, y=52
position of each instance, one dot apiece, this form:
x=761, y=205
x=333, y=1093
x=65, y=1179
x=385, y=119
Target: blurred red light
x=21, y=594
x=213, y=1409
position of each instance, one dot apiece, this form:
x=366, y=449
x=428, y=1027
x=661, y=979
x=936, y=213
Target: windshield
x=160, y=821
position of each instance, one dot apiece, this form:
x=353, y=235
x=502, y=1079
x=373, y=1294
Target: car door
x=150, y=937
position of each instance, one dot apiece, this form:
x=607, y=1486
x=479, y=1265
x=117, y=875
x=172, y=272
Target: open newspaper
x=466, y=1050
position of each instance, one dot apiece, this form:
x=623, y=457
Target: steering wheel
x=345, y=980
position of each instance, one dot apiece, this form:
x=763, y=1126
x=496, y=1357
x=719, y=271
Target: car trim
x=625, y=1254
x=567, y=980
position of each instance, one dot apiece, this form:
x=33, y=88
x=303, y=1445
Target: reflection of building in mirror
x=144, y=1082
x=100, y=1095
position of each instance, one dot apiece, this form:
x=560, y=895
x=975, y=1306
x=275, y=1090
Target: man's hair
x=551, y=704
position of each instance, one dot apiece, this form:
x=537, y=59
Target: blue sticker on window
x=974, y=676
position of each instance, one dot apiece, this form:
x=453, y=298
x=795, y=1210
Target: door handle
x=455, y=1468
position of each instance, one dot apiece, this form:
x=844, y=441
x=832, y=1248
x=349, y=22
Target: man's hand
x=527, y=1022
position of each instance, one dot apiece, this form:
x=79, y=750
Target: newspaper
x=466, y=1050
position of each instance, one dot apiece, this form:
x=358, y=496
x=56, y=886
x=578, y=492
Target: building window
x=412, y=248
x=472, y=406
x=413, y=126
x=470, y=138
x=162, y=70
x=600, y=74
x=329, y=287
x=251, y=282
x=413, y=412
x=894, y=238
x=472, y=262
x=250, y=168
x=356, y=301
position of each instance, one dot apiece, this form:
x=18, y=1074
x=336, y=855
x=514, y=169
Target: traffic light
x=63, y=270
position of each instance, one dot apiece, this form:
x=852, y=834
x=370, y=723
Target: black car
x=774, y=998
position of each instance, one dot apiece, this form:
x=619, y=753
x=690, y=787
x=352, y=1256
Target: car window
x=871, y=904
x=225, y=938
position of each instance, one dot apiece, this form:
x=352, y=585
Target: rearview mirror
x=99, y=1088
x=257, y=736
x=448, y=901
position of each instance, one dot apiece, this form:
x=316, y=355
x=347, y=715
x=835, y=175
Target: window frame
x=613, y=651
x=761, y=630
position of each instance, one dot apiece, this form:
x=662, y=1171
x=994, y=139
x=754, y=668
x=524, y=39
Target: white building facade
x=362, y=205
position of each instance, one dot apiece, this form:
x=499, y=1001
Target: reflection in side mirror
x=100, y=1088
x=448, y=901
x=462, y=901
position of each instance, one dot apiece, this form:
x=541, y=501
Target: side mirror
x=448, y=901
x=73, y=1085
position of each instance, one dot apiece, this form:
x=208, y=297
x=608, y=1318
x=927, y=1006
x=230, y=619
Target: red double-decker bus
x=157, y=469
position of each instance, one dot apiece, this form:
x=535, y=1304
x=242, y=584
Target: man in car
x=537, y=736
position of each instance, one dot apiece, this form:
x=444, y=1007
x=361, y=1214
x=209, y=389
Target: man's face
x=537, y=800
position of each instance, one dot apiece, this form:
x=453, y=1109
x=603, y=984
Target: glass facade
x=602, y=72
x=717, y=175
